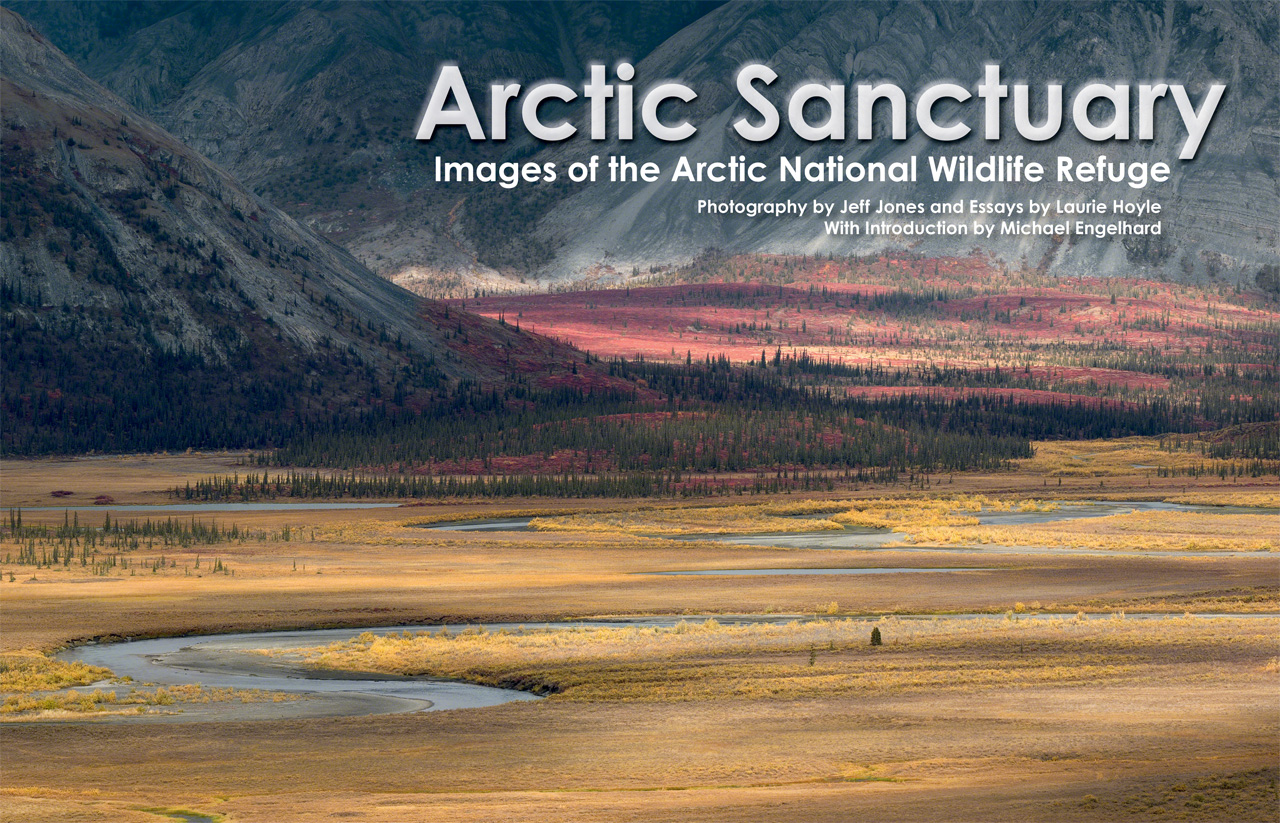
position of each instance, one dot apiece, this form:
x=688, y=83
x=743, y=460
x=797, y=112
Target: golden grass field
x=1002, y=718
x=1136, y=531
x=812, y=659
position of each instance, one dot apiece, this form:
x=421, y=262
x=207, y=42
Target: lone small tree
x=875, y=636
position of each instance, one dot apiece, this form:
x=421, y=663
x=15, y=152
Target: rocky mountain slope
x=151, y=301
x=314, y=105
x=1219, y=209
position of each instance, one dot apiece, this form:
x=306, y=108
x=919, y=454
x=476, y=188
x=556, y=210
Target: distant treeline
x=781, y=413
x=715, y=418
x=90, y=379
x=724, y=440
x=120, y=534
x=1248, y=443
x=787, y=381
x=1257, y=380
x=1225, y=469
x=636, y=484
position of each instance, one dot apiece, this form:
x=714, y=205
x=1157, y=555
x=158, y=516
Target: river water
x=232, y=661
x=859, y=538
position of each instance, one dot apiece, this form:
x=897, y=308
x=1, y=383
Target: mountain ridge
x=314, y=105
x=149, y=301
x=1218, y=209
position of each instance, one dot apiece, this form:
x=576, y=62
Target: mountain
x=150, y=301
x=1219, y=210
x=314, y=106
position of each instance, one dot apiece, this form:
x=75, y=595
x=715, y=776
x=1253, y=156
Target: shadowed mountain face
x=150, y=301
x=314, y=106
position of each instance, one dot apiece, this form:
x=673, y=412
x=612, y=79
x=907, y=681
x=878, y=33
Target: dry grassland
x=729, y=519
x=767, y=517
x=1136, y=531
x=709, y=661
x=134, y=479
x=1124, y=457
x=388, y=574
x=947, y=521
x=1000, y=752
x=1226, y=496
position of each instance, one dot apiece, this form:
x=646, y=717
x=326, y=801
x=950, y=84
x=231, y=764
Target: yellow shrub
x=28, y=671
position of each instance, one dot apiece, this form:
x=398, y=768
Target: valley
x=651, y=500
x=706, y=707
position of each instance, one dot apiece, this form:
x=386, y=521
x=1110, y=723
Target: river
x=234, y=661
